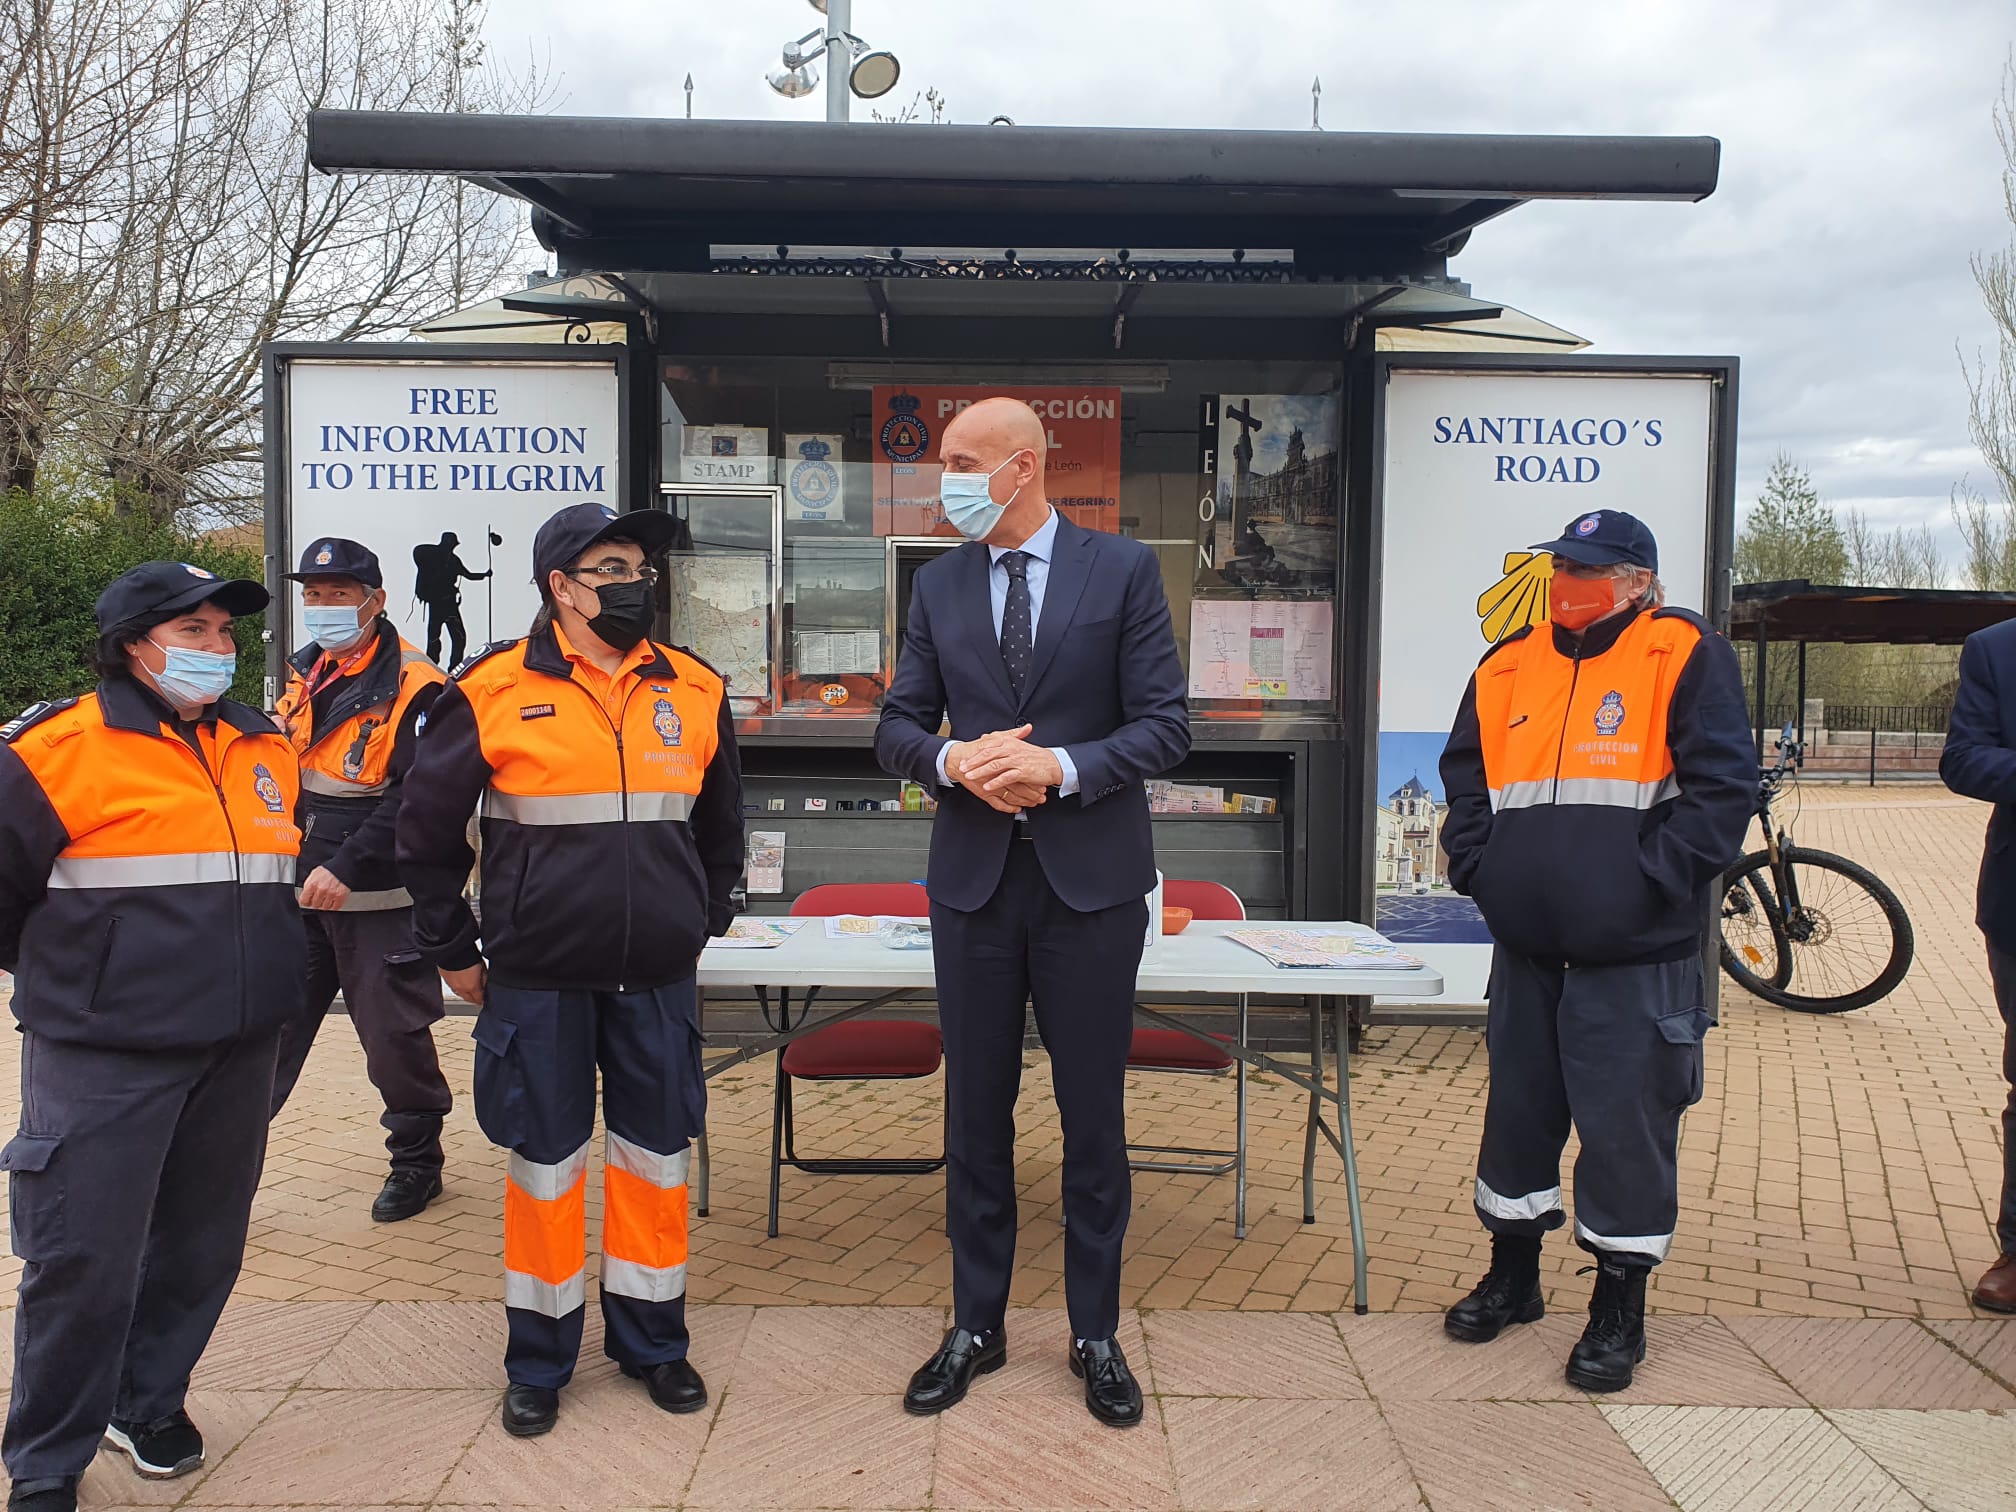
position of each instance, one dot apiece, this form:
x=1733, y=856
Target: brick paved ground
x=1840, y=1170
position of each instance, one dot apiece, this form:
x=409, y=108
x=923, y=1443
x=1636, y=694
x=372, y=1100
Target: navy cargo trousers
x=131, y=1185
x=1616, y=1052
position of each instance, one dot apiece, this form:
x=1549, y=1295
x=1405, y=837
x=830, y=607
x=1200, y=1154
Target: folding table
x=1199, y=960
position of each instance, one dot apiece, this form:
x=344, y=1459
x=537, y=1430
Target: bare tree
x=87, y=82
x=1991, y=382
x=207, y=234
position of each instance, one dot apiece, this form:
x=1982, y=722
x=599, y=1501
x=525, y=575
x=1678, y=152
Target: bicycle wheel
x=1754, y=952
x=1847, y=941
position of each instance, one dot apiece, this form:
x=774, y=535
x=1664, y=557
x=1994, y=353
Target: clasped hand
x=1003, y=770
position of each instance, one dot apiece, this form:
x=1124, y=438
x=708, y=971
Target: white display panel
x=394, y=453
x=1480, y=466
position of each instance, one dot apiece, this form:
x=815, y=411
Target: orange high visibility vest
x=349, y=759
x=1557, y=730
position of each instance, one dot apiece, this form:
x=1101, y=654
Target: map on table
x=1326, y=949
x=757, y=934
x=869, y=926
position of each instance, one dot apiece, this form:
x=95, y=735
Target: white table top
x=1200, y=959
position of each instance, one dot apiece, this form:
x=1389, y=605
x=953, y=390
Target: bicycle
x=1807, y=929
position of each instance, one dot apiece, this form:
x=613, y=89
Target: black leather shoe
x=1607, y=1354
x=675, y=1386
x=942, y=1380
x=530, y=1410
x=43, y=1496
x=160, y=1450
x=405, y=1195
x=1111, y=1393
x=1509, y=1293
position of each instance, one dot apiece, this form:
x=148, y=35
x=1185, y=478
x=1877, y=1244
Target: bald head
x=1003, y=439
x=984, y=435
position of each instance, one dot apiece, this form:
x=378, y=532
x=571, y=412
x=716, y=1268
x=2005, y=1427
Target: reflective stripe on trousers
x=1600, y=792
x=585, y=808
x=643, y=1221
x=1532, y=1205
x=171, y=870
x=546, y=1235
x=1655, y=1245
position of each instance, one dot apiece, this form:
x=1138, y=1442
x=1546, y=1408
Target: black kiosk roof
x=651, y=194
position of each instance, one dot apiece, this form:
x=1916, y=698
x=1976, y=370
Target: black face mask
x=627, y=612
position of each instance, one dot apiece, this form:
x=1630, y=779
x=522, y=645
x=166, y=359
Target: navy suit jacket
x=1105, y=683
x=1980, y=762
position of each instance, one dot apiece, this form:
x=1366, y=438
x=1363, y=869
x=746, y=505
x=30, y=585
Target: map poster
x=720, y=609
x=812, y=479
x=1082, y=426
x=1266, y=649
x=1275, y=475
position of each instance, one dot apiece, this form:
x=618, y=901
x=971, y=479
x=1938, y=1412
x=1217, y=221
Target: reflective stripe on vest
x=171, y=870
x=546, y=1234
x=584, y=808
x=644, y=1234
x=313, y=781
x=1605, y=792
x=373, y=902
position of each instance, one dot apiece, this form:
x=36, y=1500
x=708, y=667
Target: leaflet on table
x=1332, y=949
x=868, y=926
x=1261, y=648
x=757, y=934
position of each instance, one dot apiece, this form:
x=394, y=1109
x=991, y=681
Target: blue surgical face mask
x=193, y=679
x=334, y=627
x=969, y=505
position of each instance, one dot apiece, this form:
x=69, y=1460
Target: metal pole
x=839, y=57
x=1872, y=748
x=1760, y=690
x=1802, y=692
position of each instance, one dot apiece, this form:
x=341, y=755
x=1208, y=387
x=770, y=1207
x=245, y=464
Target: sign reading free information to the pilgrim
x=1479, y=467
x=397, y=454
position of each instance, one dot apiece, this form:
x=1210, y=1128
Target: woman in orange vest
x=147, y=852
x=611, y=795
x=1600, y=777
x=355, y=696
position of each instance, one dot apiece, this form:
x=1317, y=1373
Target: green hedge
x=54, y=561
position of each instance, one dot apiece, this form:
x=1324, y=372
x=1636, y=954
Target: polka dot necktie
x=1016, y=637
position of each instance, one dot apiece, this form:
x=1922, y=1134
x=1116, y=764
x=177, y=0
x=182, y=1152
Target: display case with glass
x=812, y=488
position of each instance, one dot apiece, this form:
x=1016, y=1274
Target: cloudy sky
x=1859, y=165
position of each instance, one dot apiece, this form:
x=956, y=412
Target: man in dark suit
x=1050, y=647
x=1980, y=762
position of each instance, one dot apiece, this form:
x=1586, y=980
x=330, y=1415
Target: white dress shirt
x=1039, y=549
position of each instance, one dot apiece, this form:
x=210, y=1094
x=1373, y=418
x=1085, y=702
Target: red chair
x=856, y=1050
x=1171, y=1050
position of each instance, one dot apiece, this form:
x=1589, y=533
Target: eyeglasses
x=619, y=574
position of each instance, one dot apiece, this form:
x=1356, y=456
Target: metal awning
x=1813, y=614
x=656, y=194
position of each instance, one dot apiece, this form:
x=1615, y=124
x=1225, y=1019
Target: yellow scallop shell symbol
x=1519, y=598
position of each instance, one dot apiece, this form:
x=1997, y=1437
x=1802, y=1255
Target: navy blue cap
x=155, y=590
x=332, y=556
x=566, y=537
x=1604, y=538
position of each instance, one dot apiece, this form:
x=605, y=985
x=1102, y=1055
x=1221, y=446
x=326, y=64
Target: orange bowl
x=1176, y=920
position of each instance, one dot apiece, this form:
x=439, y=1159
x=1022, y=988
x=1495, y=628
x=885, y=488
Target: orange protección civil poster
x=1083, y=425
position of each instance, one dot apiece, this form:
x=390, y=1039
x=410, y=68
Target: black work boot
x=405, y=1194
x=1509, y=1293
x=1614, y=1342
